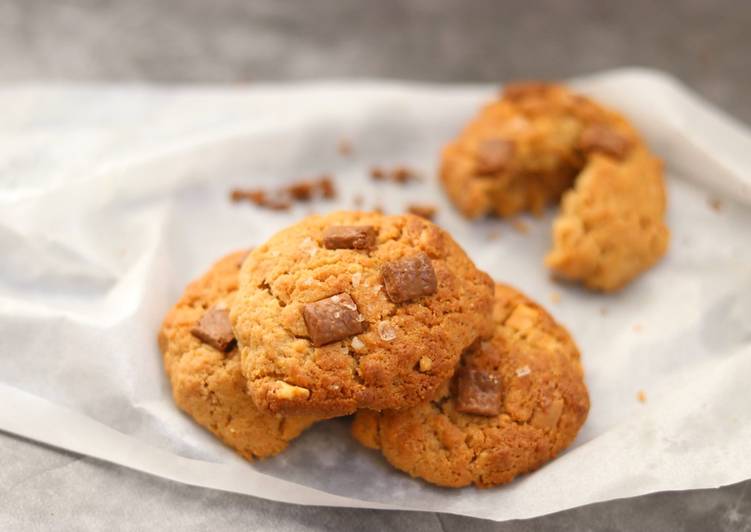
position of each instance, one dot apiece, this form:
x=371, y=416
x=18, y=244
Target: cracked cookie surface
x=206, y=381
x=531, y=374
x=539, y=143
x=320, y=333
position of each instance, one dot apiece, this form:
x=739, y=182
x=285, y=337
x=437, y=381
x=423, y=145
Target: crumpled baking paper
x=113, y=198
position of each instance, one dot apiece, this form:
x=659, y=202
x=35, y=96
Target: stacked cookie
x=456, y=380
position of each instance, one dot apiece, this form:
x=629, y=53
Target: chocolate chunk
x=478, y=392
x=326, y=185
x=401, y=174
x=494, y=155
x=215, y=329
x=604, y=139
x=332, y=319
x=409, y=278
x=349, y=237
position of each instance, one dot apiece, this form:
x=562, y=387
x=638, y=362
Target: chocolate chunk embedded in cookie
x=349, y=237
x=215, y=329
x=478, y=392
x=409, y=278
x=327, y=331
x=207, y=382
x=517, y=401
x=332, y=319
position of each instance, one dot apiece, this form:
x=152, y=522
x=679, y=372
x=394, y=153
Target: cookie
x=203, y=366
x=539, y=143
x=517, y=400
x=356, y=310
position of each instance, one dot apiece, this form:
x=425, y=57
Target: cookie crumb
x=377, y=173
x=424, y=210
x=555, y=298
x=344, y=147
x=260, y=198
x=400, y=174
x=326, y=186
x=604, y=311
x=520, y=226
x=283, y=198
x=641, y=396
x=494, y=234
x=523, y=371
x=386, y=331
x=637, y=327
x=715, y=204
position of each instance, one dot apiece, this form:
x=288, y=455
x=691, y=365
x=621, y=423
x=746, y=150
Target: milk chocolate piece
x=332, y=319
x=349, y=237
x=494, y=155
x=478, y=392
x=215, y=329
x=604, y=139
x=409, y=278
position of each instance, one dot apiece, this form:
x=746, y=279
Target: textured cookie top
x=515, y=403
x=355, y=310
x=538, y=141
x=203, y=366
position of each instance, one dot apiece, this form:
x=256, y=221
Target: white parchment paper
x=112, y=199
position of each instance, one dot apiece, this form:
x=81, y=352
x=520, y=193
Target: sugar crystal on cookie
x=478, y=392
x=409, y=278
x=214, y=328
x=332, y=319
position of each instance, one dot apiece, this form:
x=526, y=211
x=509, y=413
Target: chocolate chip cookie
x=517, y=400
x=356, y=310
x=539, y=143
x=203, y=365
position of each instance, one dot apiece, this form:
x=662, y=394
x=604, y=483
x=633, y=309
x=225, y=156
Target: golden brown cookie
x=515, y=403
x=203, y=365
x=540, y=142
x=354, y=310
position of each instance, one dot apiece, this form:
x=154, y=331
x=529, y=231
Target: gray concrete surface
x=705, y=43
